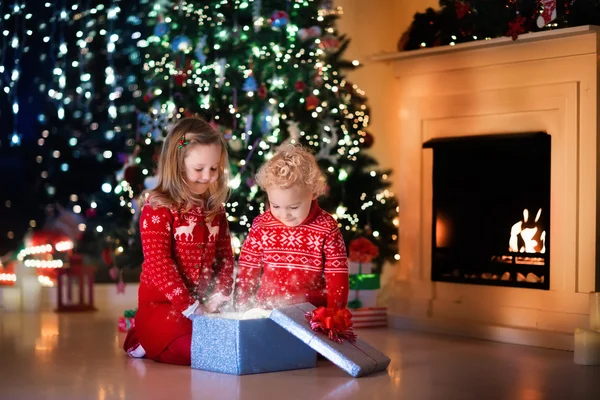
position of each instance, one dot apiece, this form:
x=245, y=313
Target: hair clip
x=182, y=141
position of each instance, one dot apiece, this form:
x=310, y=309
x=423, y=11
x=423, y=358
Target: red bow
x=334, y=323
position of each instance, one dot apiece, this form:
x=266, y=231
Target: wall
x=374, y=27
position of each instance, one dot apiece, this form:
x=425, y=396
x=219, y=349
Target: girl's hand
x=216, y=301
x=201, y=310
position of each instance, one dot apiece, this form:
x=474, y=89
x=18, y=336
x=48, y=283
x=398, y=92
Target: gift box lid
x=357, y=359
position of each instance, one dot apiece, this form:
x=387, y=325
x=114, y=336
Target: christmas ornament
x=235, y=144
x=267, y=120
x=220, y=66
x=548, y=13
x=154, y=123
x=161, y=28
x=368, y=140
x=248, y=125
x=148, y=96
x=312, y=102
x=311, y=33
x=262, y=91
x=329, y=142
x=132, y=174
x=461, y=9
x=279, y=19
x=330, y=43
x=181, y=43
x=120, y=287
x=300, y=86
x=199, y=51
x=516, y=27
x=180, y=78
x=256, y=18
x=250, y=84
x=151, y=182
x=293, y=130
x=318, y=80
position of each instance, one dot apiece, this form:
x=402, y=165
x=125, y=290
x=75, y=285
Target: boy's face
x=202, y=166
x=290, y=206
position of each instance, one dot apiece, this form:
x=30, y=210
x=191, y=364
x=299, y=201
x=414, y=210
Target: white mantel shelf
x=487, y=44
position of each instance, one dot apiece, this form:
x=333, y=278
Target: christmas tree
x=69, y=71
x=262, y=72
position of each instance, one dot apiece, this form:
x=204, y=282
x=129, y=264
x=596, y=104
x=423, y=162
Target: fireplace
x=491, y=208
x=459, y=199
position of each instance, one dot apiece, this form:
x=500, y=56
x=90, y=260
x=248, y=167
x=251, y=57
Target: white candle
x=595, y=311
x=587, y=347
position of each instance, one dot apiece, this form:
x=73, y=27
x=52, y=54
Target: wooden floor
x=78, y=356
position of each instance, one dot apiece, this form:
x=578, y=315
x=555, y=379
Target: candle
x=595, y=311
x=587, y=347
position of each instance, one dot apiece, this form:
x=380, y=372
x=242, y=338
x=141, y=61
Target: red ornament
x=107, y=257
x=312, y=102
x=180, y=78
x=362, y=250
x=461, y=9
x=90, y=213
x=516, y=27
x=368, y=140
x=318, y=80
x=262, y=91
x=187, y=113
x=330, y=43
x=300, y=86
x=132, y=174
x=148, y=96
x=337, y=324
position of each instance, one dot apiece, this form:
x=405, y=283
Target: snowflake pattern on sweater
x=185, y=256
x=281, y=265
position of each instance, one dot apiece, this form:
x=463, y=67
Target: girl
x=188, y=260
x=295, y=245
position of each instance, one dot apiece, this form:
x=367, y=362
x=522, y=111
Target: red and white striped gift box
x=370, y=317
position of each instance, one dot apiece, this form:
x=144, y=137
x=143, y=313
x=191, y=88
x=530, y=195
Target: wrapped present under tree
x=127, y=320
x=364, y=286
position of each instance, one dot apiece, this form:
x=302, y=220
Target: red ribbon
x=334, y=323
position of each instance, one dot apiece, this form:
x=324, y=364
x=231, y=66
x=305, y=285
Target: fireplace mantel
x=542, y=82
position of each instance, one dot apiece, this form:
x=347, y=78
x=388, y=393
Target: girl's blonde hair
x=172, y=190
x=292, y=165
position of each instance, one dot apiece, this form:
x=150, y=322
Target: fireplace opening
x=491, y=210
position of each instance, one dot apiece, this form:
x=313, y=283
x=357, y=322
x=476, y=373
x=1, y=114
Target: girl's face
x=290, y=206
x=201, y=165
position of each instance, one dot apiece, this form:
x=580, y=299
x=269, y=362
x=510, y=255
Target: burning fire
x=531, y=241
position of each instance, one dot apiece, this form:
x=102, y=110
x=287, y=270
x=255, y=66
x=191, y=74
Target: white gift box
x=359, y=268
x=368, y=298
x=372, y=317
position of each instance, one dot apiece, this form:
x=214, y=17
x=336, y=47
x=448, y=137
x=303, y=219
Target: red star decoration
x=516, y=27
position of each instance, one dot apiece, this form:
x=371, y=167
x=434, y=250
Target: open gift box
x=281, y=342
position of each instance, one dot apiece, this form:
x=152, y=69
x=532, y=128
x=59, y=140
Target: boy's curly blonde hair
x=292, y=165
